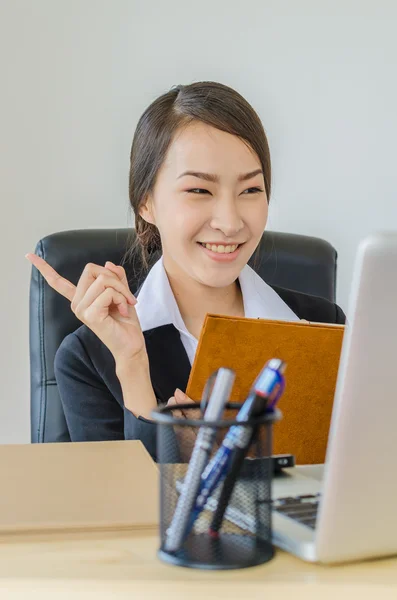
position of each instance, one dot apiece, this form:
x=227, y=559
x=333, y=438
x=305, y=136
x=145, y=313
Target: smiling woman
x=200, y=181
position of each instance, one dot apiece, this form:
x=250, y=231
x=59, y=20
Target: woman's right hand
x=103, y=301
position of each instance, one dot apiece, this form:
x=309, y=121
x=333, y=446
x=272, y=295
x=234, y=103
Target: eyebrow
x=215, y=178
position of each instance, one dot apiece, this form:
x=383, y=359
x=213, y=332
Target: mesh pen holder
x=244, y=537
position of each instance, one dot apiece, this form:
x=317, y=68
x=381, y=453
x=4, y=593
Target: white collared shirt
x=157, y=305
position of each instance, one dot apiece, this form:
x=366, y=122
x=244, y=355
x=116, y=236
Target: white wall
x=76, y=75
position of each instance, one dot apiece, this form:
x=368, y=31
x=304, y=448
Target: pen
x=220, y=393
x=271, y=386
x=236, y=464
x=239, y=436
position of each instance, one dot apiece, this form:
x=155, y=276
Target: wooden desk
x=123, y=564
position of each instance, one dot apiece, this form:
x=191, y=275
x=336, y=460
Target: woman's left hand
x=186, y=435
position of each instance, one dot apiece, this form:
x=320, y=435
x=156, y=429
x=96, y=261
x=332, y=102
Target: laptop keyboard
x=299, y=508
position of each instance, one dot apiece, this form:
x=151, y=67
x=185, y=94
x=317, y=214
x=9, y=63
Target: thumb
x=117, y=270
x=181, y=397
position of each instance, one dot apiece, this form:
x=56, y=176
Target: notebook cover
x=312, y=353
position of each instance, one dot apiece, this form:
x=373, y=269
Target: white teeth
x=221, y=249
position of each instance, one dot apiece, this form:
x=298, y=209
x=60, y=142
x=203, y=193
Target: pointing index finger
x=54, y=280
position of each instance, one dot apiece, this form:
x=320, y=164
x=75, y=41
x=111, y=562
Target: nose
x=226, y=217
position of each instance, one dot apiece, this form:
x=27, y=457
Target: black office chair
x=297, y=262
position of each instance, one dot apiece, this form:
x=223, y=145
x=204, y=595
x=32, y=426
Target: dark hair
x=209, y=102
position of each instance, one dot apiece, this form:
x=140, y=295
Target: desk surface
x=120, y=564
x=123, y=564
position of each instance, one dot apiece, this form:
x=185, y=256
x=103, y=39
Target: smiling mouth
x=221, y=248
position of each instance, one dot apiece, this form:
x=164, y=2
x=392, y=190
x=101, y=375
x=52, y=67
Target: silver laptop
x=347, y=510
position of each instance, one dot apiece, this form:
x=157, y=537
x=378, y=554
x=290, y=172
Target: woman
x=200, y=189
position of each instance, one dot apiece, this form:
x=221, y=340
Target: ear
x=146, y=211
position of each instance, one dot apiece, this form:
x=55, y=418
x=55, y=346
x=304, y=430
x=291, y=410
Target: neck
x=196, y=300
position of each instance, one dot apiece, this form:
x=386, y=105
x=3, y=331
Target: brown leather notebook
x=312, y=353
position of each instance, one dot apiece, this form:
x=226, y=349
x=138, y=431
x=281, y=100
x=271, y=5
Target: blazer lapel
x=169, y=363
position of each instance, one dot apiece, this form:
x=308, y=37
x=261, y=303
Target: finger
x=90, y=274
x=182, y=398
x=187, y=435
x=59, y=284
x=120, y=273
x=173, y=402
x=99, y=285
x=118, y=270
x=179, y=414
x=98, y=310
x=114, y=269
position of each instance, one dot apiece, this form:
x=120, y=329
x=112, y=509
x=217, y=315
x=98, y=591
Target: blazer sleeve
x=92, y=412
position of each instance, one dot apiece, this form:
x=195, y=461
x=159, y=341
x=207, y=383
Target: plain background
x=77, y=74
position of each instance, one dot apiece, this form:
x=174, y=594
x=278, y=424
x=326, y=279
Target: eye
x=197, y=191
x=253, y=190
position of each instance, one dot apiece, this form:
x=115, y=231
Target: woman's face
x=209, y=205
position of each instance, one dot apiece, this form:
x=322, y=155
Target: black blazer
x=90, y=390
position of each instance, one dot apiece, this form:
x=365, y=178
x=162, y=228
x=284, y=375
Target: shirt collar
x=157, y=305
x=156, y=302
x=260, y=300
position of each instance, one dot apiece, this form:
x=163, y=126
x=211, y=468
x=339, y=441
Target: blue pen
x=264, y=394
